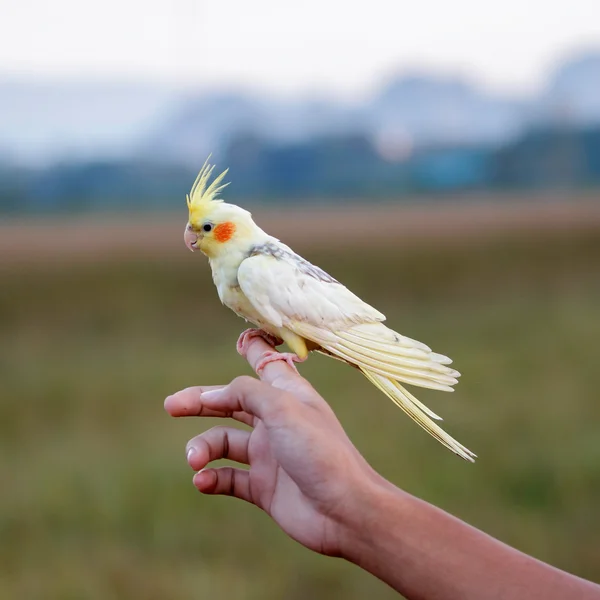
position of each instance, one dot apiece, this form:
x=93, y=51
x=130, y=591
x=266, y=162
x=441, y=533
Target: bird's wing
x=382, y=350
x=286, y=290
x=290, y=292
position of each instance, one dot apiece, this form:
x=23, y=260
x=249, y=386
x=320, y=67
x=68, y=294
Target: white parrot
x=292, y=301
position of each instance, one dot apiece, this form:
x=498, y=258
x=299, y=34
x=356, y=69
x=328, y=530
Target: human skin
x=307, y=475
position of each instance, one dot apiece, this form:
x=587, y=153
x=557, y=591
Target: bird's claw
x=246, y=336
x=272, y=355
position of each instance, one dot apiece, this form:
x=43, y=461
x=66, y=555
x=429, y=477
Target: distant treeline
x=320, y=169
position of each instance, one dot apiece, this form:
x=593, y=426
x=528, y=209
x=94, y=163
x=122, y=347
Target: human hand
x=306, y=474
x=303, y=470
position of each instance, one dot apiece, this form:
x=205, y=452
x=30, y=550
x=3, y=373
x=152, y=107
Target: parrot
x=290, y=300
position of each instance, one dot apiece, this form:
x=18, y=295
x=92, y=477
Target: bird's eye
x=207, y=227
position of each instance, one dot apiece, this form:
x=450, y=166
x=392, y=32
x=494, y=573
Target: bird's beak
x=190, y=237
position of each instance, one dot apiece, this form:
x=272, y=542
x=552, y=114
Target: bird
x=290, y=300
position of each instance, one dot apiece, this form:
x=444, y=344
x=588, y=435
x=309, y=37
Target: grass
x=97, y=501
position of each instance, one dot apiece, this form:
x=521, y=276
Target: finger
x=227, y=481
x=246, y=394
x=217, y=443
x=278, y=373
x=188, y=403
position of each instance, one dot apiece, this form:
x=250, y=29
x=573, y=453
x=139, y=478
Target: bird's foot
x=246, y=336
x=272, y=355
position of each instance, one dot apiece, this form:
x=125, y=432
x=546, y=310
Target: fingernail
x=191, y=451
x=201, y=478
x=212, y=394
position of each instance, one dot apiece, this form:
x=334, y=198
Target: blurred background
x=441, y=159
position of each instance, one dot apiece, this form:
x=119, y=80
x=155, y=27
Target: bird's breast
x=235, y=299
x=232, y=296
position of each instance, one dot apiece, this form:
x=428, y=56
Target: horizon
x=371, y=89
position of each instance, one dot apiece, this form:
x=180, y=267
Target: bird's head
x=215, y=227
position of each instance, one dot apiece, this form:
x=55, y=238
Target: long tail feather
x=405, y=401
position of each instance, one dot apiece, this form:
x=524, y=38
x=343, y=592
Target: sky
x=314, y=46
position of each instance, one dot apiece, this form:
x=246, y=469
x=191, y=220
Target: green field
x=97, y=500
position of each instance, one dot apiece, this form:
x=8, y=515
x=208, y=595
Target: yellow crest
x=201, y=196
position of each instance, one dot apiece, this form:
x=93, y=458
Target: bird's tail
x=388, y=360
x=417, y=411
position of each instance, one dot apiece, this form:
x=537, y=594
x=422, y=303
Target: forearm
x=426, y=554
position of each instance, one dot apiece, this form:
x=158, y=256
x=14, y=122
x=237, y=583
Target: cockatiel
x=292, y=301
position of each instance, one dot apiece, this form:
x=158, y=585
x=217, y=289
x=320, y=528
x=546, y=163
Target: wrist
x=375, y=505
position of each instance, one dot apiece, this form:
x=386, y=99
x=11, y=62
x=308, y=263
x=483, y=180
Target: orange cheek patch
x=224, y=232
